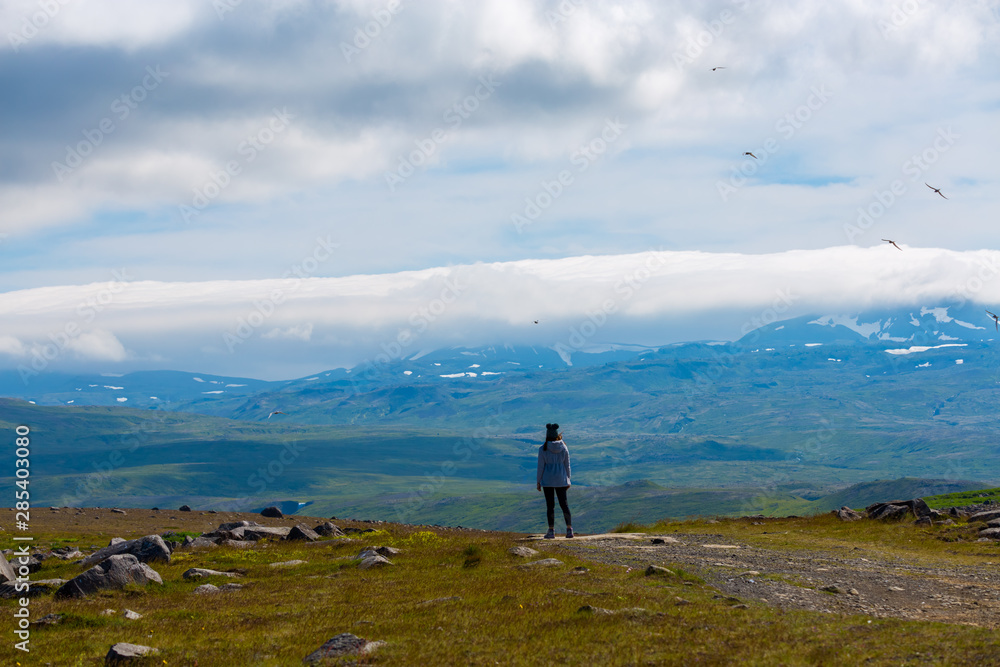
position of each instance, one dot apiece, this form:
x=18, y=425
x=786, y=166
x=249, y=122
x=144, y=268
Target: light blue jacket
x=553, y=465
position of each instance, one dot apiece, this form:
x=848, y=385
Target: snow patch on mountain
x=924, y=348
x=866, y=329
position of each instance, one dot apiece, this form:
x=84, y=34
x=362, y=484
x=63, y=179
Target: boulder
x=148, y=549
x=236, y=524
x=656, y=569
x=990, y=533
x=847, y=514
x=237, y=544
x=288, y=563
x=301, y=532
x=988, y=515
x=183, y=508
x=130, y=615
x=198, y=573
x=374, y=560
x=128, y=654
x=113, y=573
x=198, y=543
x=888, y=511
x=256, y=533
x=117, y=511
x=342, y=645
x=522, y=552
x=10, y=590
x=6, y=571
x=272, y=512
x=545, y=562
x=49, y=619
x=206, y=589
x=923, y=521
x=327, y=529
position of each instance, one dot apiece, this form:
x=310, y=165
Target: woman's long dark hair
x=545, y=445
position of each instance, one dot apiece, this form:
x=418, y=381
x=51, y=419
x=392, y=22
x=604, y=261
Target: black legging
x=550, y=504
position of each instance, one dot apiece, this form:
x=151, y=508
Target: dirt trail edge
x=794, y=578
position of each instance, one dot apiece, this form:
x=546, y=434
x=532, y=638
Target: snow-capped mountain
x=927, y=326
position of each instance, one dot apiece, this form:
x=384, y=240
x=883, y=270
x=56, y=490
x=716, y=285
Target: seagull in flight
x=893, y=244
x=715, y=68
x=751, y=155
x=276, y=412
x=536, y=321
x=996, y=320
x=937, y=190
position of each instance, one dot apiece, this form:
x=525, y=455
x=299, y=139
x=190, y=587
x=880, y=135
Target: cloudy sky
x=275, y=188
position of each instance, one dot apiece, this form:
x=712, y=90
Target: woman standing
x=553, y=478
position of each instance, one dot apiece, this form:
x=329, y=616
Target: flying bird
x=996, y=320
x=751, y=155
x=937, y=190
x=276, y=412
x=536, y=321
x=893, y=244
x=715, y=68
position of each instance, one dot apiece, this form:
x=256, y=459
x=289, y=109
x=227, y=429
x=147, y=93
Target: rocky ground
x=854, y=581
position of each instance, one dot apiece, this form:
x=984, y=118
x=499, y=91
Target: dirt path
x=792, y=579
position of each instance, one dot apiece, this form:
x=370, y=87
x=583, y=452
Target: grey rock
x=113, y=573
x=545, y=562
x=924, y=521
x=198, y=573
x=206, y=589
x=522, y=552
x=256, y=533
x=49, y=619
x=183, y=508
x=123, y=653
x=238, y=544
x=148, y=549
x=288, y=563
x=6, y=571
x=272, y=512
x=889, y=512
x=833, y=588
x=656, y=569
x=9, y=590
x=374, y=560
x=116, y=540
x=327, y=529
x=116, y=511
x=198, y=543
x=988, y=515
x=225, y=588
x=342, y=645
x=300, y=532
x=990, y=533
x=236, y=524
x=847, y=514
x=130, y=615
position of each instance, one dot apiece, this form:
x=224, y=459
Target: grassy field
x=503, y=614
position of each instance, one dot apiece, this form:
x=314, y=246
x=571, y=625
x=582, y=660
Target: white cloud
x=11, y=346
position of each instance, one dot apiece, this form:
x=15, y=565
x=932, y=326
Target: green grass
x=504, y=614
x=976, y=497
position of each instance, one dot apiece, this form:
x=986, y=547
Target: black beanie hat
x=552, y=431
